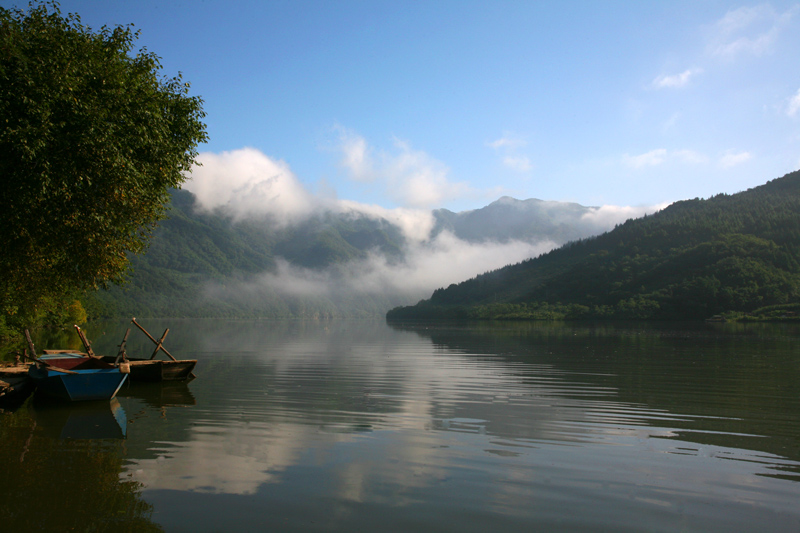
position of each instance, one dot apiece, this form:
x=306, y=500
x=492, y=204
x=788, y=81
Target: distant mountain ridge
x=194, y=249
x=696, y=258
x=511, y=219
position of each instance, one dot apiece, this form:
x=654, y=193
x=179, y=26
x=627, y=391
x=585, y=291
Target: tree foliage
x=92, y=138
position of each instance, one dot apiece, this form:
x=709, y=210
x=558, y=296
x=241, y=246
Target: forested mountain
x=192, y=251
x=694, y=259
x=204, y=264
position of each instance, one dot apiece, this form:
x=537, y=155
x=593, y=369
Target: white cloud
x=675, y=80
x=509, y=146
x=508, y=141
x=608, y=216
x=427, y=266
x=661, y=156
x=428, y=263
x=356, y=159
x=245, y=183
x=794, y=105
x=418, y=180
x=649, y=159
x=748, y=30
x=731, y=159
x=671, y=122
x=416, y=224
x=690, y=156
x=410, y=177
x=518, y=163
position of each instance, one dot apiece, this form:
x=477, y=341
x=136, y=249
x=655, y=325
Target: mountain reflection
x=300, y=394
x=356, y=425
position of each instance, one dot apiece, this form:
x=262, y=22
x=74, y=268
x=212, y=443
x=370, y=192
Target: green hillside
x=696, y=258
x=192, y=251
x=207, y=264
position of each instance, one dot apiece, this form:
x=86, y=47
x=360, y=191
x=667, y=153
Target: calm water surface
x=362, y=426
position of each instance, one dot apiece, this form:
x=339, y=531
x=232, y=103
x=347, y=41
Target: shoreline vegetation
x=573, y=312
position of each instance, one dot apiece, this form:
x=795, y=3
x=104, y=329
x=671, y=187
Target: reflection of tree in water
x=65, y=485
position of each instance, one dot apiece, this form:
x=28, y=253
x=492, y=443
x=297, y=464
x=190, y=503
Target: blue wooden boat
x=77, y=377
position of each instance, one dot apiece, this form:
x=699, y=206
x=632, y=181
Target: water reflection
x=79, y=420
x=356, y=425
x=730, y=385
x=59, y=474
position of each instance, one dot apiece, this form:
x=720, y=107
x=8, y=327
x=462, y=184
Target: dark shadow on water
x=61, y=471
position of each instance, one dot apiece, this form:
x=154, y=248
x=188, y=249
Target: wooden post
x=151, y=338
x=121, y=353
x=159, y=344
x=30, y=344
x=85, y=342
x=45, y=363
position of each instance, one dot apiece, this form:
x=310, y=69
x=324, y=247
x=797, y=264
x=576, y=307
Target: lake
x=364, y=426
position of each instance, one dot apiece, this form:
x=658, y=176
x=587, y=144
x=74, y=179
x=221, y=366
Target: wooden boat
x=77, y=377
x=157, y=369
x=153, y=369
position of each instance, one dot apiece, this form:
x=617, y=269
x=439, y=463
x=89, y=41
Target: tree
x=92, y=138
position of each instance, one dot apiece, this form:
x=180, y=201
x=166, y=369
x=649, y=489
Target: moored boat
x=152, y=369
x=77, y=377
x=158, y=370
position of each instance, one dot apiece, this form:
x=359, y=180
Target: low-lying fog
x=247, y=184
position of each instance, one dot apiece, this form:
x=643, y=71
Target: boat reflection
x=79, y=420
x=160, y=394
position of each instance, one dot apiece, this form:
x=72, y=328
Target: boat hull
x=82, y=385
x=158, y=370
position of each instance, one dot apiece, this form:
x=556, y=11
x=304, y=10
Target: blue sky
x=456, y=103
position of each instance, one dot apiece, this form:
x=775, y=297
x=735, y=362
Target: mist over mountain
x=342, y=259
x=737, y=254
x=509, y=219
